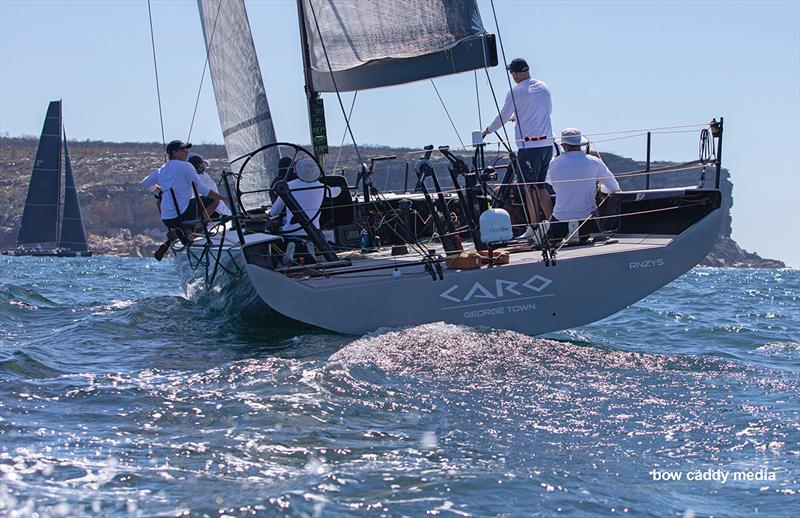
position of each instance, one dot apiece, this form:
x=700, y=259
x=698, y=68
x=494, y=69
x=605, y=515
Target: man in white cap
x=178, y=206
x=303, y=179
x=534, y=132
x=307, y=190
x=574, y=176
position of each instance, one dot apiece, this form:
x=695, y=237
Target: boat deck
x=381, y=266
x=519, y=253
x=523, y=253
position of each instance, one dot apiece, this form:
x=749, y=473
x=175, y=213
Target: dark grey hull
x=588, y=283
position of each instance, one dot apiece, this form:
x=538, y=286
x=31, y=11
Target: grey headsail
x=40, y=216
x=389, y=42
x=241, y=100
x=73, y=235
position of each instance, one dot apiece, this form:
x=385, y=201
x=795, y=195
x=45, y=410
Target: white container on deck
x=495, y=225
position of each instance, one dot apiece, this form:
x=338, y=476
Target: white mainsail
x=392, y=42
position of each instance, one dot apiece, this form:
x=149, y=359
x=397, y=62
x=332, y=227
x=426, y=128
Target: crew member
x=200, y=166
x=304, y=184
x=533, y=132
x=574, y=176
x=178, y=205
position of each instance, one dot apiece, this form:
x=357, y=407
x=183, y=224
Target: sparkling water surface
x=120, y=397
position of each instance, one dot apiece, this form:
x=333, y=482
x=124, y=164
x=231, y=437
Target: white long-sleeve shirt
x=177, y=175
x=309, y=195
x=534, y=106
x=574, y=175
x=212, y=186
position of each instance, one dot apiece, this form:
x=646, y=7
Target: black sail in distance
x=73, y=235
x=40, y=216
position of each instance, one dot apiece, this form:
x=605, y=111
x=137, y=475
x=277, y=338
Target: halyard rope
x=205, y=66
x=155, y=68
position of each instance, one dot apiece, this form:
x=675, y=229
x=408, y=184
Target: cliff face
x=122, y=219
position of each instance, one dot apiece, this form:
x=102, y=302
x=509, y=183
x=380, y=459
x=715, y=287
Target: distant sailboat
x=46, y=228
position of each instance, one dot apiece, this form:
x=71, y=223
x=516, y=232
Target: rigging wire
x=333, y=80
x=505, y=132
x=534, y=196
x=447, y=112
x=419, y=249
x=205, y=67
x=478, y=100
x=344, y=133
x=652, y=130
x=155, y=67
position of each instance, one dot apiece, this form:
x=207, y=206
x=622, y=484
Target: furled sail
x=241, y=100
x=73, y=235
x=389, y=42
x=40, y=215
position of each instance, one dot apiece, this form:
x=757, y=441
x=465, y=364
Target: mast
x=316, y=107
x=59, y=197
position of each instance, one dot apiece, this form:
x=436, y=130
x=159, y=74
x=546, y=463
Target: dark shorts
x=191, y=213
x=534, y=162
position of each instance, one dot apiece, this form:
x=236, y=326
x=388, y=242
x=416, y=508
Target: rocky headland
x=122, y=219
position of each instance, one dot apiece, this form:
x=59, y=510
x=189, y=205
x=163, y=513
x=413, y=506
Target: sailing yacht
x=389, y=259
x=52, y=225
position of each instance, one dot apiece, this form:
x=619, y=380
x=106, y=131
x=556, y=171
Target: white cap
x=307, y=170
x=573, y=137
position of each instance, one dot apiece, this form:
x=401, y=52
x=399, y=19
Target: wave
x=18, y=299
x=22, y=365
x=446, y=348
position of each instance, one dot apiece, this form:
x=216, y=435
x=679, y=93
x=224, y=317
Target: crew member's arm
x=506, y=114
x=276, y=208
x=150, y=180
x=214, y=195
x=202, y=188
x=606, y=178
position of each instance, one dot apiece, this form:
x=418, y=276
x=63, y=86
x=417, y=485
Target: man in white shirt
x=200, y=166
x=574, y=176
x=534, y=132
x=175, y=179
x=303, y=182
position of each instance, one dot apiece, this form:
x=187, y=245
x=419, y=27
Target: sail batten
x=351, y=47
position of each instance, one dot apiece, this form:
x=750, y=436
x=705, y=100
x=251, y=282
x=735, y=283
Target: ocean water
x=119, y=397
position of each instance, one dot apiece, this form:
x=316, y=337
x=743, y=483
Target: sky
x=611, y=66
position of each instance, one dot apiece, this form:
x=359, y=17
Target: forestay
x=239, y=90
x=389, y=42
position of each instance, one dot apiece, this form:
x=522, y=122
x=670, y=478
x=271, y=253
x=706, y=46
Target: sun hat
x=307, y=170
x=573, y=137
